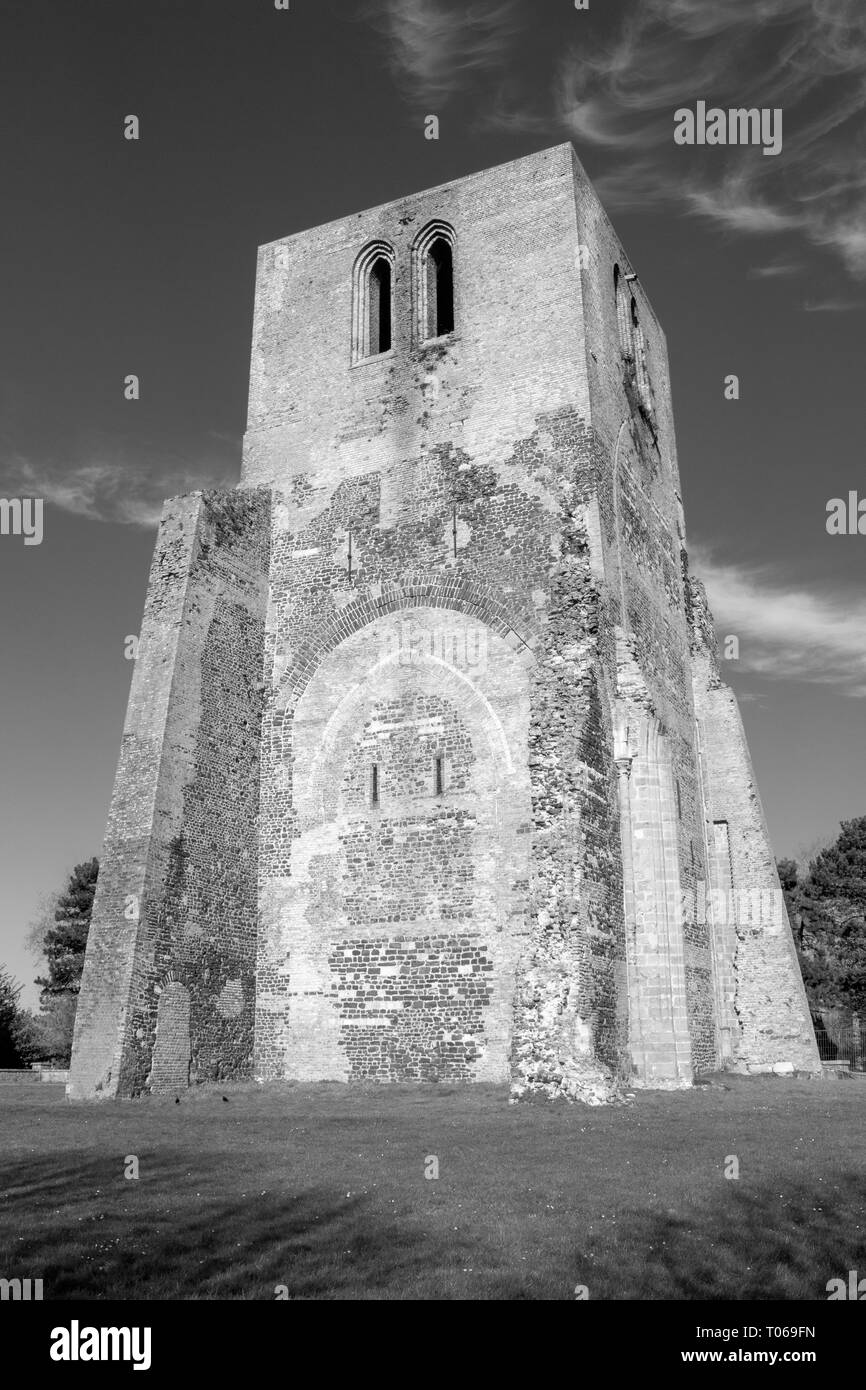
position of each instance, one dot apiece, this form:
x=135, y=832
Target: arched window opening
x=433, y=278
x=440, y=289
x=379, y=291
x=372, y=302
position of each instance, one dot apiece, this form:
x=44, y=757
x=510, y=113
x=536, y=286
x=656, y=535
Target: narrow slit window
x=624, y=318
x=379, y=291
x=440, y=289
x=374, y=785
x=439, y=774
x=640, y=362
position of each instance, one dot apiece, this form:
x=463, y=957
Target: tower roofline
x=463, y=179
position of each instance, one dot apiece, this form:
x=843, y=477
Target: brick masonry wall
x=415, y=868
x=176, y=899
x=461, y=474
x=171, y=1051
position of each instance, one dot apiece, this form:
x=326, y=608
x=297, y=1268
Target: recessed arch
x=392, y=933
x=373, y=301
x=434, y=280
x=345, y=718
x=413, y=591
x=172, y=1049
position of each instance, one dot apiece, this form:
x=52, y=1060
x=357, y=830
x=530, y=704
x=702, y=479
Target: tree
x=808, y=926
x=839, y=872
x=61, y=935
x=14, y=1042
x=53, y=1027
x=827, y=908
x=65, y=937
x=805, y=911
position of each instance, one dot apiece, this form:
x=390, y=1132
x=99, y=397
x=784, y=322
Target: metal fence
x=841, y=1042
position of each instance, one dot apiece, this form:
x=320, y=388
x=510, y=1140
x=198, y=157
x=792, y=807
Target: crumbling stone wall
x=176, y=899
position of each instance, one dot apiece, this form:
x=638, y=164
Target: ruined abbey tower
x=428, y=770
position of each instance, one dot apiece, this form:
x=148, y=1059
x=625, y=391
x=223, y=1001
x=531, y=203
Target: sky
x=121, y=257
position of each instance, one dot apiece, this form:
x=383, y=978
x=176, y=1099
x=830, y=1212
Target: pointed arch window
x=440, y=289
x=373, y=302
x=379, y=316
x=434, y=281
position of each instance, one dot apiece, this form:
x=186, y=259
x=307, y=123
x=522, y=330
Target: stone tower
x=428, y=770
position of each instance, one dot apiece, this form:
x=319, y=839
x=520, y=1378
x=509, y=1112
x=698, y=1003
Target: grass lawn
x=323, y=1189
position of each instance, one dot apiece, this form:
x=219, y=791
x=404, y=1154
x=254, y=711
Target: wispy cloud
x=787, y=631
x=832, y=306
x=735, y=205
x=775, y=269
x=120, y=489
x=806, y=57
x=436, y=46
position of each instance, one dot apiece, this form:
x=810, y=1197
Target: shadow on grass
x=775, y=1240
x=197, y=1228
x=170, y=1237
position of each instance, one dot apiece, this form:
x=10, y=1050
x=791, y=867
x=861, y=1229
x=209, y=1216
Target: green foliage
x=15, y=1050
x=827, y=908
x=61, y=934
x=65, y=935
x=839, y=872
x=50, y=1034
